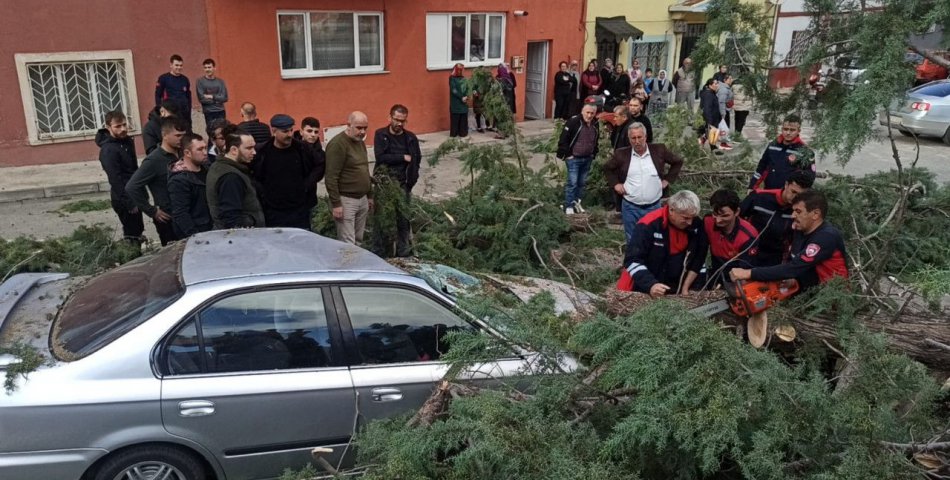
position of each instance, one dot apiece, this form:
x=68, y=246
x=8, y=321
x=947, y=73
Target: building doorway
x=536, y=81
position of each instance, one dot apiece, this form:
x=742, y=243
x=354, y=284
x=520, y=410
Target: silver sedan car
x=925, y=111
x=229, y=356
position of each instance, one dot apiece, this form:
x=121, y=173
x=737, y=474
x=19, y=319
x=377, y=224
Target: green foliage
x=85, y=251
x=28, y=360
x=739, y=33
x=673, y=396
x=86, y=206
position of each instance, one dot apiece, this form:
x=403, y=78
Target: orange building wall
x=151, y=30
x=243, y=36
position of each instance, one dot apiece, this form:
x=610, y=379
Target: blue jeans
x=577, y=170
x=632, y=213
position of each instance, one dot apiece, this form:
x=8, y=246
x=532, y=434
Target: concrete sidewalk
x=65, y=179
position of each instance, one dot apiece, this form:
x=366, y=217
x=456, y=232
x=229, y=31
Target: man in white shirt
x=640, y=173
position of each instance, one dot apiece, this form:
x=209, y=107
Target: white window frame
x=468, y=38
x=24, y=60
x=308, y=71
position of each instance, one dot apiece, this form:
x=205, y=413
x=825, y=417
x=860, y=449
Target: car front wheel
x=151, y=462
x=946, y=136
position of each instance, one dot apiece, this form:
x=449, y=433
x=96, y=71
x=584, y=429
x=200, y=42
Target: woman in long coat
x=458, y=102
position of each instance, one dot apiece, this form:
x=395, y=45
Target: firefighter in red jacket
x=818, y=252
x=667, y=250
x=732, y=240
x=787, y=154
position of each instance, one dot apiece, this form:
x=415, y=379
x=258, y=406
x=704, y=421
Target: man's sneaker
x=577, y=206
x=725, y=146
x=569, y=211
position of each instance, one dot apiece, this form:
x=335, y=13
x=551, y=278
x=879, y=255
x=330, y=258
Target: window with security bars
x=650, y=55
x=71, y=99
x=801, y=42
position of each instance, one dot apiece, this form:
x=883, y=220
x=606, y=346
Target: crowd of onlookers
x=248, y=174
x=252, y=174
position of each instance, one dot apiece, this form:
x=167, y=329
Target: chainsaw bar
x=711, y=309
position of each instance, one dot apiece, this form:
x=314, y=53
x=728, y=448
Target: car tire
x=906, y=133
x=156, y=461
x=946, y=136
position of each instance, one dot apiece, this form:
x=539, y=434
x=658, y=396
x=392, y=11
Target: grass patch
x=86, y=206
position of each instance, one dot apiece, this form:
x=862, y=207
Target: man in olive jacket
x=232, y=198
x=349, y=185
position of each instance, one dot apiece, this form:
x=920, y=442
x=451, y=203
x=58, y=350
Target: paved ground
x=39, y=217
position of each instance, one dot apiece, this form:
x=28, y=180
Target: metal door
x=536, y=80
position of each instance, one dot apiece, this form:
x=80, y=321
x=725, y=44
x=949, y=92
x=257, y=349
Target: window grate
x=650, y=55
x=72, y=98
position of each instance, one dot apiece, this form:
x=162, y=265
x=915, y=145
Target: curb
x=37, y=193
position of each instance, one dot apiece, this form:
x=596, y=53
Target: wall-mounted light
x=521, y=13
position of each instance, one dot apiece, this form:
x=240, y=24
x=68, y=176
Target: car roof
x=220, y=254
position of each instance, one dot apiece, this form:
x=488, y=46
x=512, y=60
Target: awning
x=690, y=6
x=617, y=27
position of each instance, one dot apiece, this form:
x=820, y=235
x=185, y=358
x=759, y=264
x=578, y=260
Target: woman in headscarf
x=508, y=84
x=660, y=92
x=458, y=102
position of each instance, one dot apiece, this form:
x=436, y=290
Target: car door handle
x=386, y=394
x=195, y=408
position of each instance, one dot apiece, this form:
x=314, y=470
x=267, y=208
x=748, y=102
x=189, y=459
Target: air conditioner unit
x=679, y=26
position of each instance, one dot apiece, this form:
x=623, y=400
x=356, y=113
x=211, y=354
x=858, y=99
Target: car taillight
x=920, y=106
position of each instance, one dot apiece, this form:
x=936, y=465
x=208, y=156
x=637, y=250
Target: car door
x=396, y=338
x=258, y=379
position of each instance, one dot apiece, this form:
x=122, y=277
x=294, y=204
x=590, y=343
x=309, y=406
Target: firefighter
x=667, y=250
x=770, y=212
x=818, y=252
x=785, y=155
x=731, y=239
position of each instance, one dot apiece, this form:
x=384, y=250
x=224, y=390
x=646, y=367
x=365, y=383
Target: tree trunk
x=920, y=334
x=930, y=56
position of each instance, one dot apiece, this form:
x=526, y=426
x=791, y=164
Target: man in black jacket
x=251, y=125
x=153, y=174
x=186, y=188
x=117, y=156
x=152, y=131
x=578, y=146
x=398, y=158
x=709, y=105
x=287, y=172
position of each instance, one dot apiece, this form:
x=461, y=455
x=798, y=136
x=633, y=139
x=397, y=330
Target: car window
x=114, y=302
x=267, y=330
x=941, y=89
x=394, y=325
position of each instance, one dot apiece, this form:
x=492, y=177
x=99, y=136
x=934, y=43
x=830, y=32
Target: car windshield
x=115, y=302
x=940, y=89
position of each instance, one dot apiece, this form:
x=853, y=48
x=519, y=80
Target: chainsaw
x=750, y=300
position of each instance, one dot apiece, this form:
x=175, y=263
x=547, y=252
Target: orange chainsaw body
x=747, y=298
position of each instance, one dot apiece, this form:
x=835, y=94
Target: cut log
x=921, y=334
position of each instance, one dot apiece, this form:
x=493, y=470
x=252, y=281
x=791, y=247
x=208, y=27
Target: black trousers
x=562, y=106
x=741, y=116
x=132, y=224
x=291, y=218
x=383, y=243
x=166, y=231
x=459, y=125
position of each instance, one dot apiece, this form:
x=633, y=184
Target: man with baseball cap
x=288, y=174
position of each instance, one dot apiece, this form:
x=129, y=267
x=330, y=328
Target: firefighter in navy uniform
x=818, y=252
x=770, y=212
x=732, y=240
x=785, y=155
x=667, y=250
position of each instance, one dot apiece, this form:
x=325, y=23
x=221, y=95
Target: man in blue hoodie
x=117, y=156
x=175, y=86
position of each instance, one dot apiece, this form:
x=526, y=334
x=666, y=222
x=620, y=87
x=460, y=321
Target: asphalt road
x=877, y=155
